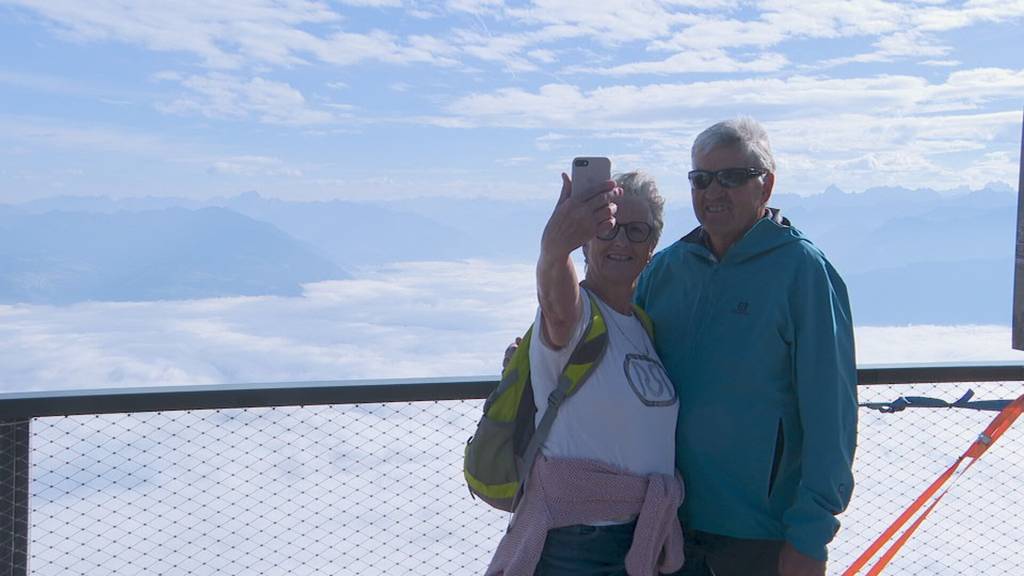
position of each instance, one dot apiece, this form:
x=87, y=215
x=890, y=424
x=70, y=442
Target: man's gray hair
x=745, y=133
x=643, y=186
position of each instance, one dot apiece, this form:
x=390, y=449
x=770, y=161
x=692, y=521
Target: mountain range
x=60, y=257
x=908, y=256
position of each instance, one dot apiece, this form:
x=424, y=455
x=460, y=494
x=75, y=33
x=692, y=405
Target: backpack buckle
x=556, y=397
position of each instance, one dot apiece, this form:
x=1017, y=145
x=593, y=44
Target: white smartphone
x=589, y=172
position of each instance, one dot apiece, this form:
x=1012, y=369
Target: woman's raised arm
x=573, y=222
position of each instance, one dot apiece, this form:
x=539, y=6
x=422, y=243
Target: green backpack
x=499, y=456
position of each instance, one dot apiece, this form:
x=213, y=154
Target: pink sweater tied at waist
x=565, y=492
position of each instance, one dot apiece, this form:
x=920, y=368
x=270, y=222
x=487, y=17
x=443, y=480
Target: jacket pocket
x=780, y=447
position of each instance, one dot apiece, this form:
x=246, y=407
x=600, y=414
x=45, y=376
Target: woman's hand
x=510, y=351
x=576, y=220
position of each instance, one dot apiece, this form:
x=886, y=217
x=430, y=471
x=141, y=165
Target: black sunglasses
x=635, y=231
x=727, y=178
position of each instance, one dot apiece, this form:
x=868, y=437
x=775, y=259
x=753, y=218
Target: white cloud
x=834, y=18
x=253, y=166
x=237, y=34
x=54, y=133
x=372, y=3
x=895, y=345
x=717, y=34
x=516, y=161
x=222, y=35
x=707, y=61
x=907, y=44
x=475, y=6
x=566, y=105
x=407, y=320
x=346, y=48
x=911, y=43
x=509, y=50
x=903, y=30
x=691, y=61
x=614, y=20
x=544, y=56
x=941, y=63
x=971, y=12
x=268, y=101
x=859, y=151
x=980, y=85
x=291, y=32
x=546, y=141
x=412, y=320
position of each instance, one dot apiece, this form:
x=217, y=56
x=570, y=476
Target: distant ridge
x=908, y=256
x=174, y=253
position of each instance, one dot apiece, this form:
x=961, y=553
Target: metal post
x=14, y=451
x=1018, y=271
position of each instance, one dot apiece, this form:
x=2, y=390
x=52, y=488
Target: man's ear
x=767, y=187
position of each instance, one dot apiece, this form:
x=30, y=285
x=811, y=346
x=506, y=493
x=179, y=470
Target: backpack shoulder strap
x=501, y=405
x=645, y=320
x=584, y=358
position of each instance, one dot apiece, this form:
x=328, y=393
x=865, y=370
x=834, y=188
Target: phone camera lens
x=582, y=162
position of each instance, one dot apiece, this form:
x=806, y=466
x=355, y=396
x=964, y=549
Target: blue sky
x=384, y=99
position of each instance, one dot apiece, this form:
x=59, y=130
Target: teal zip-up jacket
x=760, y=349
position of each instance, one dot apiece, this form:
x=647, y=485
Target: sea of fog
x=377, y=489
x=422, y=319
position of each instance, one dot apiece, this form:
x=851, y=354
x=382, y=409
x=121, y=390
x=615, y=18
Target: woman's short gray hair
x=643, y=186
x=744, y=132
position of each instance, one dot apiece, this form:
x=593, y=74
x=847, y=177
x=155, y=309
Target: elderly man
x=753, y=326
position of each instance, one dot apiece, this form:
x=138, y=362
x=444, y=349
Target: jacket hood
x=770, y=232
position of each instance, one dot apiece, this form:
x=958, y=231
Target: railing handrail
x=33, y=404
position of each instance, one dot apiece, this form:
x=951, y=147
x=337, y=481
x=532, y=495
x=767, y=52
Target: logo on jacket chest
x=742, y=308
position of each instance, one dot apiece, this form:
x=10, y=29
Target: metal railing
x=364, y=477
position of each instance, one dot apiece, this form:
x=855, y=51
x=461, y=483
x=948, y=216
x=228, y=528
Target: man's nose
x=714, y=189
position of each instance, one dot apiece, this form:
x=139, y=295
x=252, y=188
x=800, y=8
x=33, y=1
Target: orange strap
x=1001, y=423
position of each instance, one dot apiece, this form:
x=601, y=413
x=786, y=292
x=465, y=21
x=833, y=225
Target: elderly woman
x=603, y=493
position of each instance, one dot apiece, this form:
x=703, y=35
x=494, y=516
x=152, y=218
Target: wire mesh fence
x=978, y=528
x=358, y=489
x=377, y=489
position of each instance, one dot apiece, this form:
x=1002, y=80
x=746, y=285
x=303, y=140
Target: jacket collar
x=753, y=242
x=699, y=236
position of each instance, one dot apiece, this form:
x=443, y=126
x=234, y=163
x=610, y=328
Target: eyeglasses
x=636, y=232
x=727, y=178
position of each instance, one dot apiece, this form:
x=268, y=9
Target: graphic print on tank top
x=644, y=373
x=647, y=378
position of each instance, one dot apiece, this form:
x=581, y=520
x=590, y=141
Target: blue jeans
x=586, y=551
x=710, y=554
